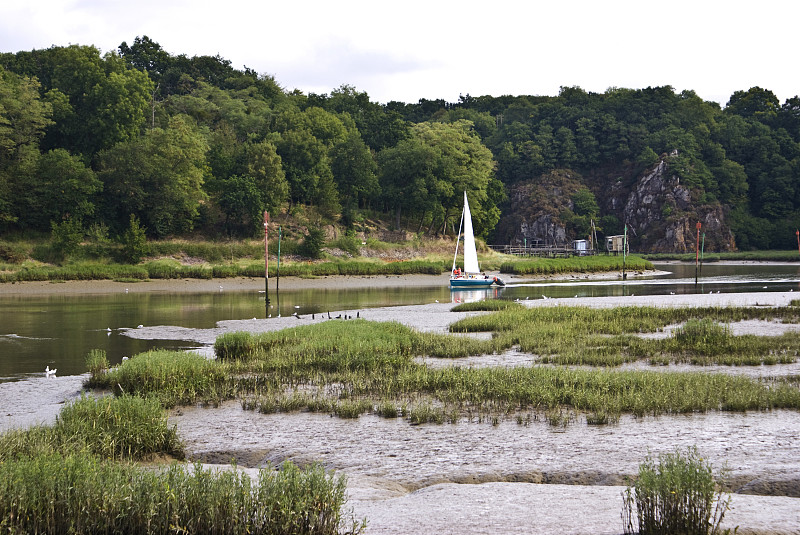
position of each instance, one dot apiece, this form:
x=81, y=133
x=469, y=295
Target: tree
x=134, y=241
x=427, y=175
x=23, y=120
x=758, y=103
x=264, y=165
x=62, y=187
x=158, y=178
x=304, y=159
x=354, y=170
x=241, y=201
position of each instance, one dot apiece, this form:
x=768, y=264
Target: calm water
x=58, y=330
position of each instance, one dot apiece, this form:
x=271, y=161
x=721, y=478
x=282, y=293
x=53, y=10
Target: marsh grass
x=609, y=337
x=674, y=494
x=575, y=264
x=122, y=428
x=82, y=494
x=172, y=377
x=371, y=365
x=349, y=368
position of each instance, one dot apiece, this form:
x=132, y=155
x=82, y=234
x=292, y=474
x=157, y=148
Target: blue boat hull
x=471, y=283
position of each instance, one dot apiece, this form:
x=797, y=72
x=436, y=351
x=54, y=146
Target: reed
x=674, y=494
x=125, y=428
x=372, y=364
x=81, y=494
x=576, y=264
x=173, y=377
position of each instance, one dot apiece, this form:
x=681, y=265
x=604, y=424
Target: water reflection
x=474, y=295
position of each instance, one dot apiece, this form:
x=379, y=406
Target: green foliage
x=189, y=143
x=174, y=377
x=84, y=495
x=96, y=364
x=134, y=241
x=125, y=428
x=584, y=264
x=675, y=494
x=65, y=237
x=313, y=243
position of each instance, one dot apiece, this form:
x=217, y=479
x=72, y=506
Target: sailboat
x=471, y=276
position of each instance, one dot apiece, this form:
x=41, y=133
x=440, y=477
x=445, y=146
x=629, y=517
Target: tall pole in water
x=697, y=253
x=278, y=278
x=266, y=262
x=624, y=250
x=702, y=248
x=797, y=233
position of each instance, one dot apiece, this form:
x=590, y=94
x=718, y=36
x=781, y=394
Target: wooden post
x=266, y=261
x=624, y=250
x=278, y=270
x=702, y=248
x=697, y=253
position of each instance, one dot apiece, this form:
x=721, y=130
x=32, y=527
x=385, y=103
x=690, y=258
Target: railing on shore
x=549, y=251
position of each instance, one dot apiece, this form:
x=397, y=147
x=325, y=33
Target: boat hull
x=471, y=283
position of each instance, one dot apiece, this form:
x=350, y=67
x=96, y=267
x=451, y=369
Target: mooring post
x=697, y=253
x=266, y=263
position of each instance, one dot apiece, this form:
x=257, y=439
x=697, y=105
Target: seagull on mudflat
x=48, y=372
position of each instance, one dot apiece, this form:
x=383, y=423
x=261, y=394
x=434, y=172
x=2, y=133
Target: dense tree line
x=182, y=144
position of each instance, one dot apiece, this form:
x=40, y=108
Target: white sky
x=415, y=49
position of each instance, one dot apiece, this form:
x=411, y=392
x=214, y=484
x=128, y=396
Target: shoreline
x=339, y=282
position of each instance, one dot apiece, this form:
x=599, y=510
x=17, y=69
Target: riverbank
x=285, y=283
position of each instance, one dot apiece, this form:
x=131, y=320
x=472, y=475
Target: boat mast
x=458, y=239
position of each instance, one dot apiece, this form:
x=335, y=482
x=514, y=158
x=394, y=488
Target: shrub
x=66, y=237
x=312, y=244
x=134, y=242
x=676, y=494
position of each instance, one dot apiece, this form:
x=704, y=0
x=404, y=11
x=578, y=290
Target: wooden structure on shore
x=547, y=251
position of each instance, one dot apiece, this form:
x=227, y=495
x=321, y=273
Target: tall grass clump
x=97, y=364
x=173, y=377
x=126, y=428
x=702, y=331
x=674, y=495
x=81, y=494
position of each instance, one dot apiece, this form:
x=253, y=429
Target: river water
x=467, y=477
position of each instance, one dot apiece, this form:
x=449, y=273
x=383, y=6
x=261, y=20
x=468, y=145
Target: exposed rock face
x=535, y=208
x=660, y=212
x=663, y=216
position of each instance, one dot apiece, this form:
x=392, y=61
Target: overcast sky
x=432, y=49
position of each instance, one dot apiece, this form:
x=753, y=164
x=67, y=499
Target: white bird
x=764, y=286
x=108, y=329
x=544, y=296
x=436, y=300
x=124, y=359
x=140, y=326
x=126, y=290
x=48, y=372
x=297, y=306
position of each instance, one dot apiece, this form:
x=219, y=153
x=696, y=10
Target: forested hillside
x=185, y=145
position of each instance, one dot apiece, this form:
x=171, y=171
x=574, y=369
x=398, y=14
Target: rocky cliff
x=661, y=213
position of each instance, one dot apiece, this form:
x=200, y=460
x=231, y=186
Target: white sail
x=470, y=254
